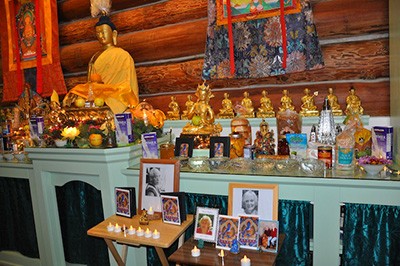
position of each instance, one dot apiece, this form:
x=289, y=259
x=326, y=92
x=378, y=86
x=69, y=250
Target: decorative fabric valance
x=258, y=49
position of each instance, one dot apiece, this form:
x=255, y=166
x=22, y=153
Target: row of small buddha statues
x=266, y=109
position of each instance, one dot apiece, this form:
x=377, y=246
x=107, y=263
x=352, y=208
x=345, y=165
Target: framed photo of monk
x=219, y=146
x=184, y=147
x=157, y=176
x=253, y=199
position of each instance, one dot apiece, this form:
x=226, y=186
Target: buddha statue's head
x=106, y=32
x=203, y=92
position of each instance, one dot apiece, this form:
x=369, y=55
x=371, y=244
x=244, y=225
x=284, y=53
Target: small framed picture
x=253, y=199
x=184, y=147
x=157, y=176
x=125, y=201
x=228, y=231
x=268, y=232
x=219, y=146
x=170, y=209
x=206, y=224
x=248, y=231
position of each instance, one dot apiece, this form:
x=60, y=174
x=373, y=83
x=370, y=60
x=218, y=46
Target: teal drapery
x=80, y=208
x=17, y=224
x=294, y=221
x=371, y=235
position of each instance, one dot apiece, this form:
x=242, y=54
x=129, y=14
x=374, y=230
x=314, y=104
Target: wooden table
x=168, y=235
x=209, y=255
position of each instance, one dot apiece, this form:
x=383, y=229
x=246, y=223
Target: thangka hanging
x=23, y=21
x=257, y=43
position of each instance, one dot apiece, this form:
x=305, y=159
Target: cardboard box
x=123, y=128
x=150, y=145
x=384, y=142
x=36, y=124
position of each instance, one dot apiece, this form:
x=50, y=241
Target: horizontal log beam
x=152, y=16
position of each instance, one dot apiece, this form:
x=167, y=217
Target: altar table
x=169, y=233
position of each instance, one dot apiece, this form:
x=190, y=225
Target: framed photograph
x=125, y=201
x=228, y=231
x=157, y=176
x=219, y=146
x=253, y=199
x=184, y=147
x=206, y=224
x=268, y=232
x=248, y=231
x=170, y=210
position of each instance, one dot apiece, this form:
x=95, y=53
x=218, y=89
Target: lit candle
x=150, y=211
x=117, y=228
x=221, y=253
x=148, y=233
x=156, y=234
x=245, y=261
x=131, y=230
x=195, y=252
x=139, y=232
x=110, y=227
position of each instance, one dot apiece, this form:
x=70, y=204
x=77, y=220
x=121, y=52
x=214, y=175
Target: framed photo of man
x=157, y=176
x=253, y=199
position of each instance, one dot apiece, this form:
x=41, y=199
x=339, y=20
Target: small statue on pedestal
x=266, y=108
x=264, y=142
x=144, y=220
x=286, y=102
x=248, y=104
x=227, y=108
x=173, y=114
x=189, y=103
x=308, y=107
x=353, y=103
x=334, y=103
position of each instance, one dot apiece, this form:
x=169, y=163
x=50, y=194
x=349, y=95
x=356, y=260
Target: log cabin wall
x=167, y=41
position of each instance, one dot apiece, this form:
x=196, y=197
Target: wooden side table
x=168, y=235
x=209, y=255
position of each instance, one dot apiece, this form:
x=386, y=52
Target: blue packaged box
x=123, y=128
x=384, y=142
x=36, y=125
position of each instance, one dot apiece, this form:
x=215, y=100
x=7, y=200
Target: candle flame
x=110, y=224
x=195, y=248
x=245, y=257
x=116, y=225
x=222, y=253
x=155, y=231
x=139, y=229
x=147, y=230
x=150, y=209
x=131, y=227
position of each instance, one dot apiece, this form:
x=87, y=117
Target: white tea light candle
x=195, y=252
x=245, y=261
x=156, y=234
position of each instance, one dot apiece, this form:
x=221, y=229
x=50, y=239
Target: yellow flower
x=70, y=133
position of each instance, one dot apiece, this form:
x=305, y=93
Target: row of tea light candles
x=245, y=261
x=131, y=231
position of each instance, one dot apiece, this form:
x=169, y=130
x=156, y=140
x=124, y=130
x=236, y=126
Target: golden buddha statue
x=286, y=102
x=266, y=108
x=308, y=107
x=189, y=103
x=202, y=115
x=227, y=108
x=334, y=103
x=173, y=106
x=353, y=103
x=111, y=73
x=248, y=104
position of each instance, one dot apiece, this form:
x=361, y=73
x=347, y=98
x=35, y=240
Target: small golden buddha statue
x=248, y=104
x=334, y=103
x=266, y=108
x=201, y=114
x=286, y=102
x=308, y=107
x=143, y=219
x=227, y=108
x=174, y=110
x=353, y=103
x=189, y=103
